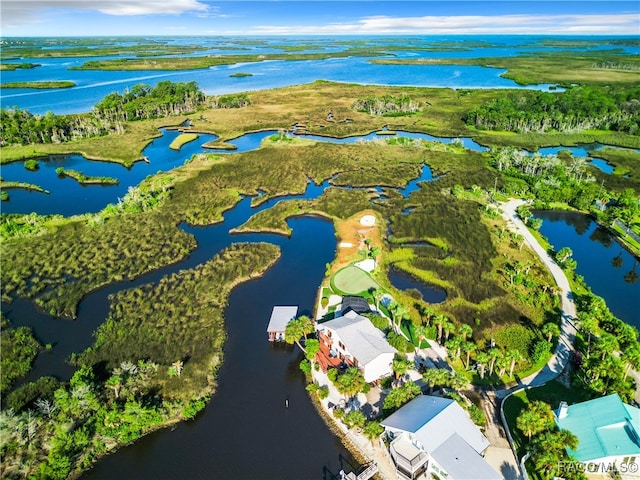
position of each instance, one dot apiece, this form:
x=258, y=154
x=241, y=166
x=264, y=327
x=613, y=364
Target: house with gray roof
x=608, y=432
x=353, y=339
x=433, y=436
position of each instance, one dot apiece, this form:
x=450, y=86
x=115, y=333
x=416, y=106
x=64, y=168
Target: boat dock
x=280, y=318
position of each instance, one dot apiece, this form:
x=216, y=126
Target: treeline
x=387, y=105
x=22, y=127
x=144, y=102
x=108, y=116
x=579, y=108
x=548, y=177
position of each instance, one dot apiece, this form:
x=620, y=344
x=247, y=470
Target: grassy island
x=241, y=74
x=183, y=139
x=38, y=85
x=83, y=179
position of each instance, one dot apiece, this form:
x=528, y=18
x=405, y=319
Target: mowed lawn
x=352, y=280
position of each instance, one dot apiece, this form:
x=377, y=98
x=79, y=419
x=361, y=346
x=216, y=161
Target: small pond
x=404, y=281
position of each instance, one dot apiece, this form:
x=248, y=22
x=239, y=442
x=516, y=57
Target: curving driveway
x=499, y=455
x=561, y=356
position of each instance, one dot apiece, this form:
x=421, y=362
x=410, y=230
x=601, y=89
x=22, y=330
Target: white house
x=434, y=436
x=280, y=318
x=608, y=432
x=354, y=340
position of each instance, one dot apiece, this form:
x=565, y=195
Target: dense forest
x=141, y=102
x=579, y=108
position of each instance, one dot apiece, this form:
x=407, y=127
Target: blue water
x=594, y=249
x=67, y=197
x=92, y=86
x=602, y=165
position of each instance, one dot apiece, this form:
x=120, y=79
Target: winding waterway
x=245, y=430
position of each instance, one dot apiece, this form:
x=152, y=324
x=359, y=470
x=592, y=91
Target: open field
x=352, y=281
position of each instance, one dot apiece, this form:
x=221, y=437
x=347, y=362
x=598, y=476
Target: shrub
x=399, y=342
x=539, y=350
x=31, y=164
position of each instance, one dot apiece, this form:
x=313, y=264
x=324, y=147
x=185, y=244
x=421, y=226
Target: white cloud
x=625, y=23
x=18, y=12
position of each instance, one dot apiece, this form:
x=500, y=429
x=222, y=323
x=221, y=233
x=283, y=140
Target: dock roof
x=280, y=317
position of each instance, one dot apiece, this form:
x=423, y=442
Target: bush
x=31, y=164
x=323, y=392
x=24, y=396
x=191, y=409
x=399, y=342
x=378, y=321
x=540, y=349
x=338, y=413
x=515, y=337
x=354, y=419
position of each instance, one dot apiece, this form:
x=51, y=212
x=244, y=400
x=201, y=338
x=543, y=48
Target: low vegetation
x=38, y=85
x=84, y=179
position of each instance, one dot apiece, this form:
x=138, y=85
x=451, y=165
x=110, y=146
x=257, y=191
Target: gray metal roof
x=461, y=462
x=364, y=341
x=433, y=420
x=280, y=317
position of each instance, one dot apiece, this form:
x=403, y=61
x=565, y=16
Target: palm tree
x=439, y=321
x=177, y=366
x=421, y=331
x=455, y=345
x=469, y=347
x=631, y=355
x=296, y=329
x=313, y=346
x=448, y=327
x=514, y=357
x=529, y=422
x=465, y=331
x=372, y=431
x=351, y=382
x=588, y=323
x=428, y=313
x=400, y=366
x=435, y=376
x=114, y=383
x=551, y=330
x=494, y=355
x=482, y=358
x=607, y=343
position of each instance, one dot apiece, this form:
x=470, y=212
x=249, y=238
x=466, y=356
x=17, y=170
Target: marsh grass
x=180, y=318
x=183, y=139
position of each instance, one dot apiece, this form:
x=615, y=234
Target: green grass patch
x=352, y=280
x=83, y=179
x=183, y=139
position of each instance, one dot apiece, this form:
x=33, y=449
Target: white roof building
x=280, y=318
x=353, y=338
x=435, y=435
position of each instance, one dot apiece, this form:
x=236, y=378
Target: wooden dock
x=370, y=470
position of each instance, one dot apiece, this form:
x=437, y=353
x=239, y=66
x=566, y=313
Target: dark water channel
x=610, y=270
x=245, y=432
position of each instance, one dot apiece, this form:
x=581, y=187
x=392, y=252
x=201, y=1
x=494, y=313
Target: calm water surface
x=92, y=86
x=607, y=268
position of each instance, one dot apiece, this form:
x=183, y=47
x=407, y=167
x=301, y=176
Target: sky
x=271, y=17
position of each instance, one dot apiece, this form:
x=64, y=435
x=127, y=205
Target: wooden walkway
x=366, y=474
